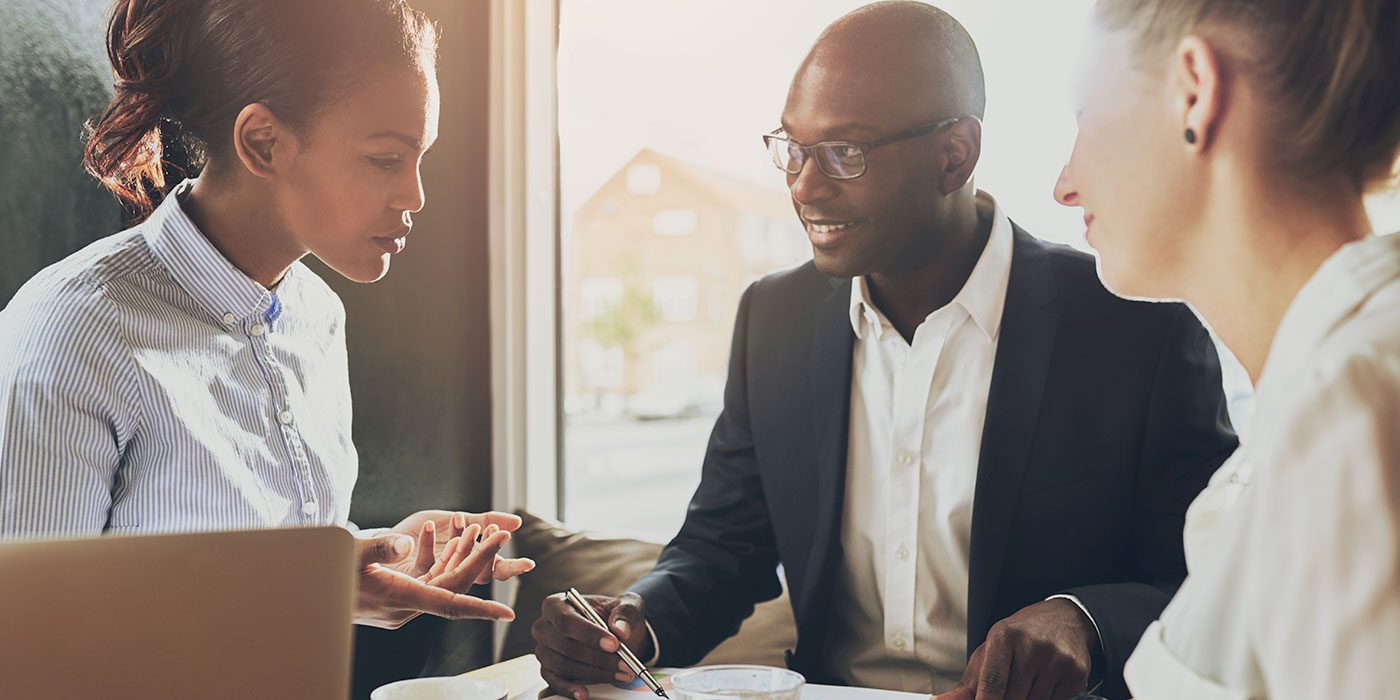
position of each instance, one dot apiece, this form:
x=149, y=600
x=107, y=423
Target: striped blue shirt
x=147, y=384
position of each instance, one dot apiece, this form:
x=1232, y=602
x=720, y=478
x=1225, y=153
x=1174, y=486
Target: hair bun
x=124, y=143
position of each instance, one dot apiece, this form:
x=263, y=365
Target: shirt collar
x=1339, y=287
x=983, y=296
x=223, y=290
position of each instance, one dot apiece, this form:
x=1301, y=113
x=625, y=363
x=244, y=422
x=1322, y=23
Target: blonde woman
x=1223, y=154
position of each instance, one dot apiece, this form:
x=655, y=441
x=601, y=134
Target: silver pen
x=576, y=600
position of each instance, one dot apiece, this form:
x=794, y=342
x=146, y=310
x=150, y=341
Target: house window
x=674, y=222
x=675, y=298
x=643, y=179
x=596, y=294
x=671, y=362
x=600, y=367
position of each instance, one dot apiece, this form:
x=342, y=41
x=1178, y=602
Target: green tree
x=621, y=323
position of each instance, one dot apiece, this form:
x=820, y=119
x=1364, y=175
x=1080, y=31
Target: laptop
x=255, y=614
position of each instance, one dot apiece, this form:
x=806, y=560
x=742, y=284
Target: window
x=674, y=297
x=674, y=360
x=644, y=179
x=600, y=367
x=597, y=294
x=753, y=241
x=674, y=222
x=664, y=189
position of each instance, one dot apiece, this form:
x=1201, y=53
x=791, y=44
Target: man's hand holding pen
x=574, y=652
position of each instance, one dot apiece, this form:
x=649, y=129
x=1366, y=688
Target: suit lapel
x=830, y=401
x=1027, y=337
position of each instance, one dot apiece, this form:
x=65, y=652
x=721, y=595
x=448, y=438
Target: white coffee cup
x=440, y=688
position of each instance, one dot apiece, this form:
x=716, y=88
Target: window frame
x=525, y=258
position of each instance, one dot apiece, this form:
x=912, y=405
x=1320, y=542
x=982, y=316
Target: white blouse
x=1294, y=547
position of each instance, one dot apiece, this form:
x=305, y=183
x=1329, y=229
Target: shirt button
x=229, y=319
x=310, y=507
x=902, y=552
x=257, y=329
x=899, y=642
x=906, y=458
x=285, y=417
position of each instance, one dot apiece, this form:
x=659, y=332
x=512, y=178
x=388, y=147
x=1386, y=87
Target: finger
x=459, y=524
x=575, y=626
x=462, y=577
x=469, y=563
x=402, y=592
x=549, y=637
x=510, y=568
x=966, y=689
x=564, y=687
x=1067, y=688
x=962, y=692
x=486, y=573
x=625, y=618
x=441, y=564
x=1041, y=687
x=509, y=522
x=489, y=573
x=464, y=549
x=385, y=549
x=574, y=670
x=995, y=672
x=427, y=538
x=1021, y=677
x=464, y=546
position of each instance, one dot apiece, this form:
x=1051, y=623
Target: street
x=630, y=477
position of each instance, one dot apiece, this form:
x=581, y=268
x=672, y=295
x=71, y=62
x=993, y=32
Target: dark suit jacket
x=1105, y=418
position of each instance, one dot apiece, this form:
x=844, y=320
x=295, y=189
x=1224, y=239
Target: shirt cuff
x=1080, y=604
x=655, y=647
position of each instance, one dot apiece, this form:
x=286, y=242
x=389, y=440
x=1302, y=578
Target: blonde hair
x=1330, y=69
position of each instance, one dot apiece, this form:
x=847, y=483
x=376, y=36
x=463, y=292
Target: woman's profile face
x=355, y=182
x=1129, y=169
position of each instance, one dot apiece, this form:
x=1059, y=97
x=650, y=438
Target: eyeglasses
x=840, y=160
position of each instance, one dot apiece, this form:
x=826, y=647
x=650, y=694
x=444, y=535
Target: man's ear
x=962, y=147
x=1197, y=91
x=264, y=144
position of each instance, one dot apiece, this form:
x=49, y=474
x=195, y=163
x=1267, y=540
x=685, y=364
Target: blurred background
x=670, y=207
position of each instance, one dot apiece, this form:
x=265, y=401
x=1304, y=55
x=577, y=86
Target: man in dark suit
x=970, y=460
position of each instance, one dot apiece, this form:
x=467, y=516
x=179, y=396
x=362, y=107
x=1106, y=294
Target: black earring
x=1190, y=135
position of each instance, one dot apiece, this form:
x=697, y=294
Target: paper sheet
x=637, y=690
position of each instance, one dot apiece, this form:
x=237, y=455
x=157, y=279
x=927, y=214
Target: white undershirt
x=915, y=437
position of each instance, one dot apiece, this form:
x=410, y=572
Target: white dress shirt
x=1294, y=548
x=148, y=385
x=917, y=409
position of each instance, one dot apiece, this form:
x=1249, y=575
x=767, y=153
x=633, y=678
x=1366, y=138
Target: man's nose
x=811, y=185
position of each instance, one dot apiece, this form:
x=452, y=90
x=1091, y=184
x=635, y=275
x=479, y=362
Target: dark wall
x=419, y=344
x=53, y=75
x=420, y=347
x=418, y=340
